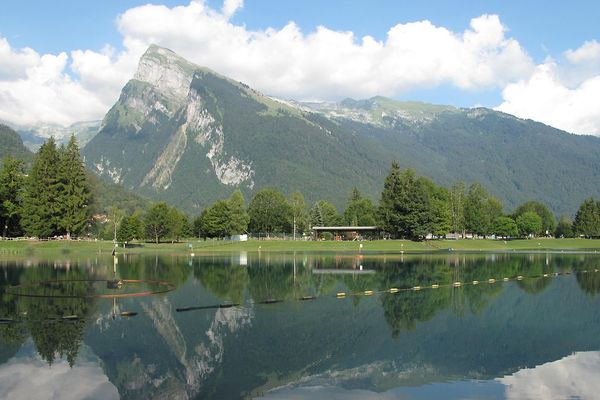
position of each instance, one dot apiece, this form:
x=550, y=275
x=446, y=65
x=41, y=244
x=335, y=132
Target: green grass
x=76, y=248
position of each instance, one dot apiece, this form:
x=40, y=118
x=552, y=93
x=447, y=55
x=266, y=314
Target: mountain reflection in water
x=530, y=338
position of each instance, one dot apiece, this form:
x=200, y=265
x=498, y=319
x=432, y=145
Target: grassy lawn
x=62, y=248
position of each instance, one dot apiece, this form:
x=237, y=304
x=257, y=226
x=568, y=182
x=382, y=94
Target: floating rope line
x=393, y=290
x=163, y=287
x=193, y=308
x=59, y=319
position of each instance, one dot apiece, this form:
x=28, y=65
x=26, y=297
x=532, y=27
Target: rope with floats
x=163, y=287
x=392, y=290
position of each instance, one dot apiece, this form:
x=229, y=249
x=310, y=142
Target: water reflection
x=27, y=376
x=396, y=343
x=574, y=376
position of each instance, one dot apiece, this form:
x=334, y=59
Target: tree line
x=410, y=207
x=52, y=198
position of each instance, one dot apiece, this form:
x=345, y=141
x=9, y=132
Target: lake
x=301, y=326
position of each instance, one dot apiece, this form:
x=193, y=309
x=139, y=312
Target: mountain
x=12, y=145
x=187, y=135
x=34, y=136
x=517, y=160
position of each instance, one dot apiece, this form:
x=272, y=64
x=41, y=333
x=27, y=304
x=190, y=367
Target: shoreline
x=10, y=248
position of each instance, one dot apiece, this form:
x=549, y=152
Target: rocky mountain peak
x=169, y=73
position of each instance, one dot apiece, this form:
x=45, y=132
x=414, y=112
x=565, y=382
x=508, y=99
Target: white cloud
x=327, y=64
x=31, y=378
x=564, y=96
x=43, y=91
x=15, y=63
x=231, y=6
x=588, y=52
x=322, y=65
x=573, y=377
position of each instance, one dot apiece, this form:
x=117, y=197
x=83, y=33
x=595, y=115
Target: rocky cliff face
x=160, y=105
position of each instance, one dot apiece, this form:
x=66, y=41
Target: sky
x=66, y=61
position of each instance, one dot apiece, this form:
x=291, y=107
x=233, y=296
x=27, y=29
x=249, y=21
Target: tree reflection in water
x=286, y=277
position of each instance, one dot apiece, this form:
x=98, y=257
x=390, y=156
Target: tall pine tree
x=42, y=196
x=406, y=208
x=12, y=178
x=75, y=192
x=587, y=219
x=389, y=198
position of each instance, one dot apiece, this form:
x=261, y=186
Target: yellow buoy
x=128, y=314
x=417, y=288
x=394, y=290
x=341, y=294
x=435, y=286
x=456, y=284
x=505, y=279
x=491, y=280
x=519, y=278
x=368, y=292
x=475, y=282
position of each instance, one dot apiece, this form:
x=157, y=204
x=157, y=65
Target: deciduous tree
x=564, y=228
x=529, y=223
x=156, y=222
x=548, y=220
x=269, y=212
x=237, y=214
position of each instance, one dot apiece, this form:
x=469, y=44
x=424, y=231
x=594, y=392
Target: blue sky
x=543, y=27
x=546, y=50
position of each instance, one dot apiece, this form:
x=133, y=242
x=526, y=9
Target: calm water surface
x=235, y=326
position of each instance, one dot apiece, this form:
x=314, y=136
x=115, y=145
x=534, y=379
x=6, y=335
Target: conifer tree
x=359, y=211
x=75, y=196
x=406, y=208
x=41, y=199
x=587, y=219
x=323, y=213
x=125, y=231
x=316, y=216
x=11, y=188
x=389, y=199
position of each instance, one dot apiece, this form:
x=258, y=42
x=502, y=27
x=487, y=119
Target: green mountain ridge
x=189, y=136
x=12, y=145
